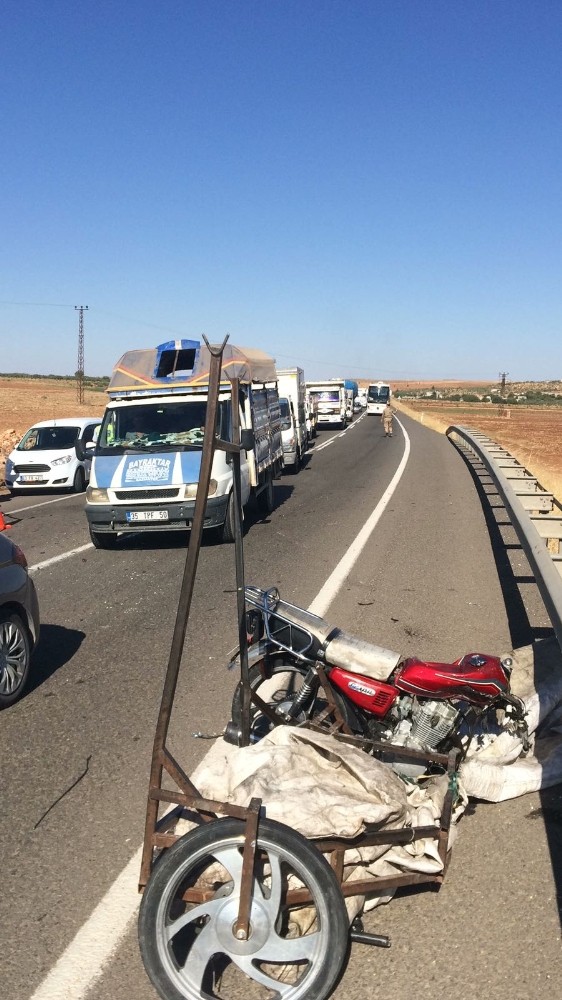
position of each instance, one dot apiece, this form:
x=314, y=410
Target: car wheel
x=265, y=501
x=15, y=656
x=79, y=481
x=104, y=540
x=228, y=531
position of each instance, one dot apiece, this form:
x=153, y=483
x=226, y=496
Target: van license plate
x=32, y=479
x=147, y=515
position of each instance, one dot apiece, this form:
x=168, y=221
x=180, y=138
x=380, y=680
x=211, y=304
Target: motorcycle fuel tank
x=475, y=677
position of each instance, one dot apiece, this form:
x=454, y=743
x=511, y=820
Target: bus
x=378, y=395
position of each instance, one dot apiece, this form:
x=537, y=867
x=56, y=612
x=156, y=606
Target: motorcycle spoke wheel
x=277, y=684
x=190, y=950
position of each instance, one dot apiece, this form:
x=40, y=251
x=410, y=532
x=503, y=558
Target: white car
x=46, y=456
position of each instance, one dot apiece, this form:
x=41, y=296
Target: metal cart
x=243, y=906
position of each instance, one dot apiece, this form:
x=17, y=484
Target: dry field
x=532, y=435
x=25, y=401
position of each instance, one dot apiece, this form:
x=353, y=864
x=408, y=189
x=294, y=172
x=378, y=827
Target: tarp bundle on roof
x=181, y=364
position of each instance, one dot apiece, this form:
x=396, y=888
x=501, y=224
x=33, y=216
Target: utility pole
x=502, y=377
x=80, y=365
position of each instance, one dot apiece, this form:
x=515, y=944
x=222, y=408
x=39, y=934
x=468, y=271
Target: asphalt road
x=435, y=579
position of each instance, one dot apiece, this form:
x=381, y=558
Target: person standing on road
x=387, y=417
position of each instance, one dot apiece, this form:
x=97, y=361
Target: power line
x=57, y=305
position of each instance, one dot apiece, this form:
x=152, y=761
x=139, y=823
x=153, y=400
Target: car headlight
x=95, y=495
x=63, y=460
x=191, y=489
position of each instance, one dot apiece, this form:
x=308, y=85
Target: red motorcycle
x=302, y=669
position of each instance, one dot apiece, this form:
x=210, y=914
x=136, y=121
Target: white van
x=147, y=460
x=46, y=456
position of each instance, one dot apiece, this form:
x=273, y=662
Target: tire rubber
x=175, y=977
x=104, y=540
x=79, y=484
x=265, y=501
x=261, y=673
x=6, y=618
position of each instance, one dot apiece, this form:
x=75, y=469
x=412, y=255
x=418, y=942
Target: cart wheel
x=189, y=949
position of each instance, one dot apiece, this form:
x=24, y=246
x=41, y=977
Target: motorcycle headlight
x=64, y=460
x=95, y=495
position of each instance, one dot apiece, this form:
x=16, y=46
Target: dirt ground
x=532, y=435
x=25, y=401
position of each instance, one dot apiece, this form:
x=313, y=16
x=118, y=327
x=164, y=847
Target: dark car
x=19, y=621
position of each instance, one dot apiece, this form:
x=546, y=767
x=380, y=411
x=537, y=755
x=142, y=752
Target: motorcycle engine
x=425, y=725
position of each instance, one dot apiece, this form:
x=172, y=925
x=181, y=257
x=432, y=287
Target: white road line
x=87, y=955
x=83, y=962
x=59, y=558
x=350, y=426
x=32, y=506
x=323, y=600
x=325, y=444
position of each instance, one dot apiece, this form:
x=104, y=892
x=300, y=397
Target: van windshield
x=326, y=395
x=49, y=438
x=157, y=426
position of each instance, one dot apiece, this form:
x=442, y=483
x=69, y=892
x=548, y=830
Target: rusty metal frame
x=157, y=835
x=162, y=760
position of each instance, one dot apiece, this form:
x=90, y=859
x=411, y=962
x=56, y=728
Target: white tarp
x=322, y=787
x=497, y=770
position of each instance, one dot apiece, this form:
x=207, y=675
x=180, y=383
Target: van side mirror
x=247, y=440
x=84, y=450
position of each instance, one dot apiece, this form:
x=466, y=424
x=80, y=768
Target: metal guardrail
x=535, y=514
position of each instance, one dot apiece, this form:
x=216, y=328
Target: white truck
x=311, y=406
x=349, y=404
x=292, y=402
x=146, y=461
x=330, y=396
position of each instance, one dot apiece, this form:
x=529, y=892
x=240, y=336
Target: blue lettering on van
x=172, y=468
x=150, y=470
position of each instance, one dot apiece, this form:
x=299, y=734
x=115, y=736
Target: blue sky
x=366, y=189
